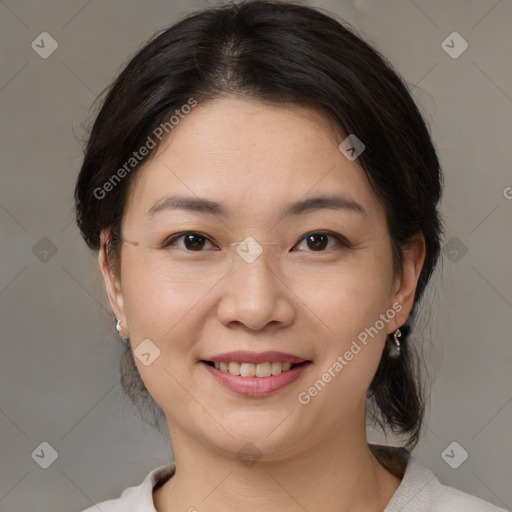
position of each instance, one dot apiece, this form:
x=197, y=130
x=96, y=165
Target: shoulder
x=448, y=498
x=421, y=491
x=138, y=498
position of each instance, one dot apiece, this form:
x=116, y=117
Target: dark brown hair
x=279, y=53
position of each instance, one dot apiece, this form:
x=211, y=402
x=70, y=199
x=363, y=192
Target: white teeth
x=253, y=370
x=234, y=368
x=263, y=370
x=276, y=368
x=247, y=370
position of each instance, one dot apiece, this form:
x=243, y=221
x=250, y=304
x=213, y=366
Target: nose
x=255, y=295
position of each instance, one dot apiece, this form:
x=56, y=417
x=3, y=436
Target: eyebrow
x=209, y=207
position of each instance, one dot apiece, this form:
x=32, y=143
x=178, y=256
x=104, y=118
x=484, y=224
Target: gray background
x=59, y=367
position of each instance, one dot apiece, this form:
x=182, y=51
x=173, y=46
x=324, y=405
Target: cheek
x=355, y=309
x=354, y=297
x=158, y=309
x=167, y=314
x=161, y=310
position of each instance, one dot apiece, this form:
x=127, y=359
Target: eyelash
x=341, y=239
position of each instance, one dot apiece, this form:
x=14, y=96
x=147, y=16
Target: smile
x=254, y=379
x=253, y=370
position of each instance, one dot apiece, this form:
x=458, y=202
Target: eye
x=319, y=241
x=192, y=241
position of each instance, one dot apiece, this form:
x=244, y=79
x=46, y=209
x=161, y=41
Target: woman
x=262, y=193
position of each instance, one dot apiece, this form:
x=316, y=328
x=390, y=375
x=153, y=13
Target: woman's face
x=317, y=299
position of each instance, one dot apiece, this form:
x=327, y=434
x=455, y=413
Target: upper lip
x=256, y=357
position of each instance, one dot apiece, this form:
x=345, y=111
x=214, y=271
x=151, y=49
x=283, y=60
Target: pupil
x=194, y=241
x=316, y=243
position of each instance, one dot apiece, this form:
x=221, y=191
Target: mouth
x=260, y=370
x=254, y=380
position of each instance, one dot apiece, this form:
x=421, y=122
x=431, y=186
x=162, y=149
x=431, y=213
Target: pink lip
x=255, y=386
x=255, y=357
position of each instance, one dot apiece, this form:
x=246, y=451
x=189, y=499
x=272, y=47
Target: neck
x=339, y=474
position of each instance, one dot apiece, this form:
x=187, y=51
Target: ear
x=406, y=282
x=112, y=283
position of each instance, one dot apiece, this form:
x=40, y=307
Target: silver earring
x=124, y=339
x=396, y=348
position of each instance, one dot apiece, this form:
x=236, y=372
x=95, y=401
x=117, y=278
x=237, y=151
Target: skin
x=254, y=158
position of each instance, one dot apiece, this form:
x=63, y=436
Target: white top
x=419, y=491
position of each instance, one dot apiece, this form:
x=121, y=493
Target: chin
x=272, y=438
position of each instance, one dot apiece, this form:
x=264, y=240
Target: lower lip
x=256, y=386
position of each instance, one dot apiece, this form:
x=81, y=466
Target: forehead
x=251, y=156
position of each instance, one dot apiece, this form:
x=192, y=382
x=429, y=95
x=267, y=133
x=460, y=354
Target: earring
x=124, y=339
x=395, y=351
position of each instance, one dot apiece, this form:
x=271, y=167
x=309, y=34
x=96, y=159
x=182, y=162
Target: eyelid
x=176, y=236
x=343, y=241
x=340, y=238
